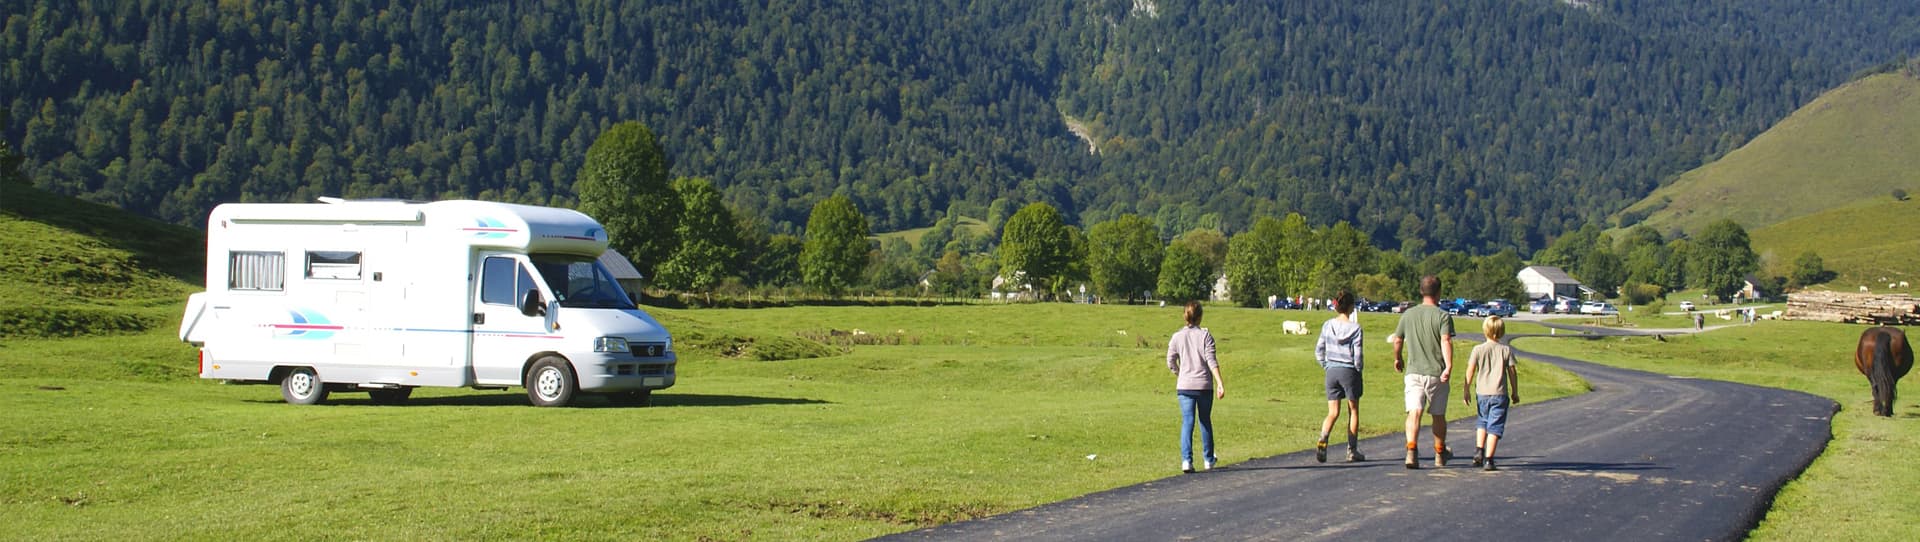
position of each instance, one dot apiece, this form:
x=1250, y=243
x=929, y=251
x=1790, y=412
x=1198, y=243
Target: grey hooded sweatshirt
x=1339, y=345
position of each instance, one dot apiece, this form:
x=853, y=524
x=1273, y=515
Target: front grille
x=648, y=350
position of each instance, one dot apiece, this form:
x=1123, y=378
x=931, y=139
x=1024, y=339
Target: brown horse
x=1884, y=356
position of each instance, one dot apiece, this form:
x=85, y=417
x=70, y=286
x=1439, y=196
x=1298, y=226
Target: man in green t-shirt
x=1423, y=348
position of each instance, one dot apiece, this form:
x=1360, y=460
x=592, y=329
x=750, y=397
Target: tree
x=778, y=262
x=1295, y=255
x=1721, y=258
x=1376, y=287
x=1603, y=271
x=1123, y=256
x=1251, y=271
x=624, y=185
x=1038, y=243
x=709, y=248
x=1494, y=276
x=1210, y=244
x=836, y=247
x=1808, y=270
x=1184, y=276
x=1346, y=253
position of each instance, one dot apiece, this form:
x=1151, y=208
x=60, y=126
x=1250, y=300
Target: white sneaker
x=1186, y=466
x=1210, y=464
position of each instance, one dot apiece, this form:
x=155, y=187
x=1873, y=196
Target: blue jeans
x=1196, y=403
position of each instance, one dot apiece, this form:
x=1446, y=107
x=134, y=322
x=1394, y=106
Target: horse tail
x=1881, y=374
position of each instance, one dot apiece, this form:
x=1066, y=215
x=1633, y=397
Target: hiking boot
x=1413, y=460
x=1320, y=452
x=1186, y=466
x=1479, y=456
x=1353, y=456
x=1490, y=467
x=1441, y=457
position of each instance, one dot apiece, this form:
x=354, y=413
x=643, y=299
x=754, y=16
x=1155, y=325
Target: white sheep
x=1863, y=289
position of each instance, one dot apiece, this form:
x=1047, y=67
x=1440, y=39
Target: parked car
x=1540, y=306
x=1686, y=306
x=1497, y=307
x=1566, y=306
x=1598, y=307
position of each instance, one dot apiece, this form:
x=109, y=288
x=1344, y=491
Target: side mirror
x=532, y=305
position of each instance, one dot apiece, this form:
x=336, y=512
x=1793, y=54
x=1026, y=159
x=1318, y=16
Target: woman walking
x=1191, y=358
x=1339, y=353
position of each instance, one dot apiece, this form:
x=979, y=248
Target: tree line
x=681, y=234
x=1466, y=126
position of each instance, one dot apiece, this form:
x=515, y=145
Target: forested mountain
x=1467, y=124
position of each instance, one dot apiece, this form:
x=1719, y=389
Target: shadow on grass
x=660, y=400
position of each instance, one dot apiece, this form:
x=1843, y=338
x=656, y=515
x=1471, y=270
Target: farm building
x=623, y=272
x=1550, y=282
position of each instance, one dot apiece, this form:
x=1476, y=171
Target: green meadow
x=928, y=415
x=1859, y=488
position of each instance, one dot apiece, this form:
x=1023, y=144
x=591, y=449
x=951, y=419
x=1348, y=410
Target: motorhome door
x=504, y=335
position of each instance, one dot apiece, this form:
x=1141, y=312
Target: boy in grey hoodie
x=1339, y=352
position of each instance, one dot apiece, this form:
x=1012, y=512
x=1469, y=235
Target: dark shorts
x=1493, y=414
x=1343, y=383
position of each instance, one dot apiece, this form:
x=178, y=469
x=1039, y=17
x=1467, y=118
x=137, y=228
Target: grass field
x=972, y=226
x=1860, y=488
x=961, y=412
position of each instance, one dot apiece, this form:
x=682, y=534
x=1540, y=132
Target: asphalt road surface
x=1642, y=457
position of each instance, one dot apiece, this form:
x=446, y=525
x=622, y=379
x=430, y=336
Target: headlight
x=610, y=344
x=669, y=344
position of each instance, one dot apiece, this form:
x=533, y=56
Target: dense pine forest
x=1467, y=125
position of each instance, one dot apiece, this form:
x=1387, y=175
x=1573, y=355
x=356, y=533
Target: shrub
x=1641, y=293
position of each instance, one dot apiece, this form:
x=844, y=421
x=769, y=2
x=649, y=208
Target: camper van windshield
x=580, y=282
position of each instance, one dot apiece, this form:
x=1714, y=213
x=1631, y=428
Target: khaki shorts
x=1426, y=393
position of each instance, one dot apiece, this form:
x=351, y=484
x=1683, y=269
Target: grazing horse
x=1884, y=356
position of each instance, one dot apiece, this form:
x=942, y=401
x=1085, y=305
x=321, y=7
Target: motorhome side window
x=251, y=270
x=333, y=264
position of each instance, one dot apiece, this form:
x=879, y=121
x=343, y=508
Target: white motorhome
x=386, y=296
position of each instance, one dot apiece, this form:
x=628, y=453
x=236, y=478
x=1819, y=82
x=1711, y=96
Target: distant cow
x=1293, y=327
x=1863, y=289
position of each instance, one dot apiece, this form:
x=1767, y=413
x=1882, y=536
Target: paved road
x=1642, y=457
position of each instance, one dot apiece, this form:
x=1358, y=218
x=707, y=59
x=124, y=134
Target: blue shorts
x=1493, y=414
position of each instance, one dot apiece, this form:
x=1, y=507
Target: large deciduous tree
x=1721, y=258
x=836, y=248
x=1809, y=269
x=624, y=185
x=709, y=248
x=1040, y=244
x=1184, y=275
x=1124, y=255
x=1251, y=271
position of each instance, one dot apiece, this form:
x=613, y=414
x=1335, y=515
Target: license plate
x=654, y=381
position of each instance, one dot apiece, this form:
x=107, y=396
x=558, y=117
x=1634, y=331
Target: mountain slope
x=1470, y=124
x=1856, y=143
x=1870, y=243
